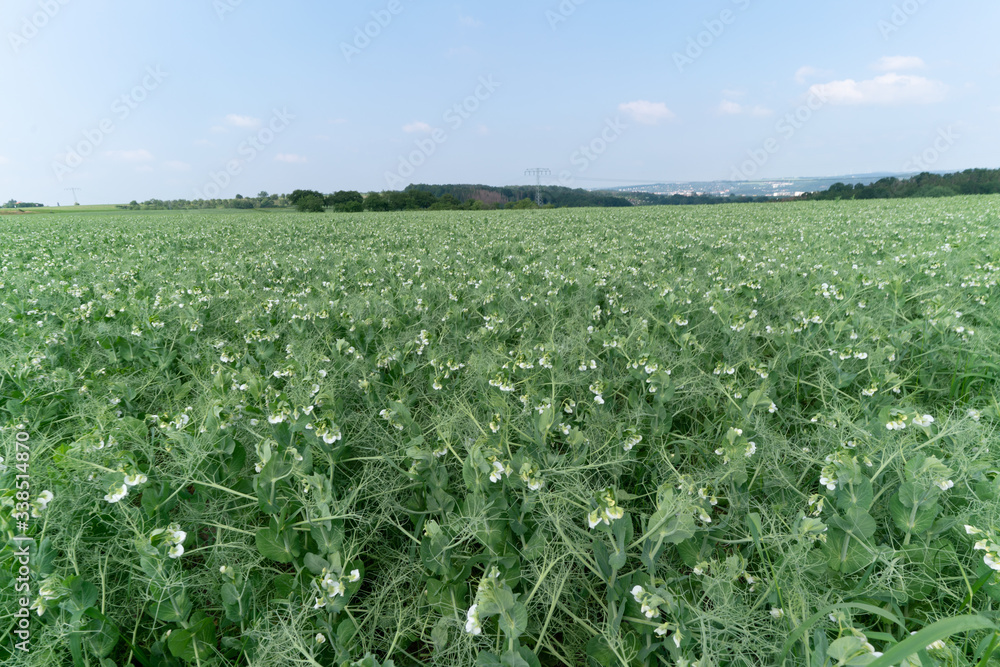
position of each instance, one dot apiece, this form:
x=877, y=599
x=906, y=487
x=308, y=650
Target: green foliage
x=968, y=182
x=704, y=436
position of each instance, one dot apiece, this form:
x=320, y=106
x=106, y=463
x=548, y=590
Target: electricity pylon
x=538, y=173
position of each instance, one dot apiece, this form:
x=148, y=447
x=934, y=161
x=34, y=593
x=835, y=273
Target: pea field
x=739, y=435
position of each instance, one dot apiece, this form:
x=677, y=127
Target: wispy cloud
x=898, y=63
x=290, y=158
x=807, y=72
x=177, y=165
x=647, y=113
x=730, y=108
x=418, y=127
x=470, y=22
x=4, y=160
x=337, y=121
x=138, y=155
x=886, y=90
x=244, y=122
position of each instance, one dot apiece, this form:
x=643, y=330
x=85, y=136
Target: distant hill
x=774, y=188
x=968, y=182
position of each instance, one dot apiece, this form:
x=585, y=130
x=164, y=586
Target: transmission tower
x=538, y=173
x=75, y=190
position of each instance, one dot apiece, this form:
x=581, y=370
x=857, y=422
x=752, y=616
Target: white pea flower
x=116, y=493
x=472, y=624
x=498, y=472
x=923, y=420
x=136, y=479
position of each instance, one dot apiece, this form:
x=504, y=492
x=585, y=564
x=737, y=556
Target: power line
x=538, y=172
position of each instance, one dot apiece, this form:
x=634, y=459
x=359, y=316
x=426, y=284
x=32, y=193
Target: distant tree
x=346, y=201
x=298, y=195
x=524, y=204
x=376, y=202
x=311, y=203
x=939, y=191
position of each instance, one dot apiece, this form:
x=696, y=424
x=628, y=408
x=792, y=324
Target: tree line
x=968, y=182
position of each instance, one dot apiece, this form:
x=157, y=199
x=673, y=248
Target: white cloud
x=647, y=113
x=730, y=108
x=177, y=165
x=218, y=129
x=897, y=63
x=470, y=22
x=4, y=160
x=483, y=130
x=290, y=158
x=139, y=155
x=246, y=122
x=805, y=73
x=144, y=168
x=885, y=90
x=337, y=121
x=418, y=127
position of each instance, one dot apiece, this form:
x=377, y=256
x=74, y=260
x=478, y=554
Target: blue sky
x=218, y=97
